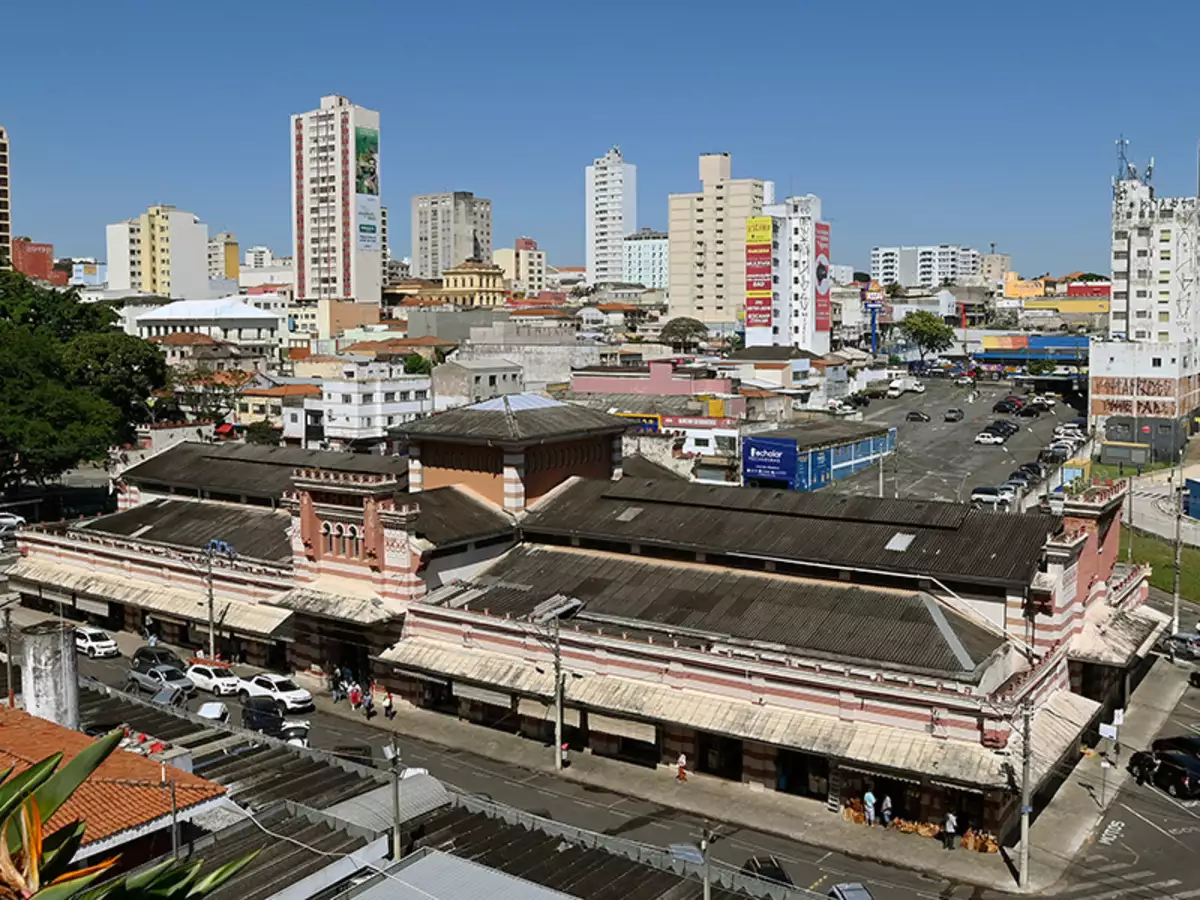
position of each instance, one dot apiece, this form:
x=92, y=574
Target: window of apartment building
x=1164, y=317
x=1120, y=235
x=1142, y=314
x=1156, y=362
x=1143, y=253
x=1164, y=254
x=346, y=398
x=1164, y=337
x=294, y=418
x=1164, y=295
x=389, y=397
x=391, y=420
x=1140, y=293
x=1140, y=335
x=1164, y=237
x=368, y=398
x=1143, y=231
x=420, y=395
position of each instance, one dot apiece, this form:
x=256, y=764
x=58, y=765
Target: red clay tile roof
x=125, y=792
x=225, y=379
x=184, y=339
x=397, y=344
x=773, y=365
x=284, y=390
x=299, y=352
x=617, y=307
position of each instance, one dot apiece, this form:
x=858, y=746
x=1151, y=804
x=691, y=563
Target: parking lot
x=939, y=460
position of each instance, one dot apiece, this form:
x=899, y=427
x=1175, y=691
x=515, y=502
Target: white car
x=282, y=689
x=1047, y=399
x=964, y=381
x=95, y=642
x=1006, y=492
x=216, y=680
x=986, y=437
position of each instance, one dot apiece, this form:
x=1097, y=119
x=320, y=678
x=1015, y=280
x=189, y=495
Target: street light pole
x=397, y=848
x=213, y=548
x=558, y=699
x=1175, y=499
x=8, y=655
x=1026, y=789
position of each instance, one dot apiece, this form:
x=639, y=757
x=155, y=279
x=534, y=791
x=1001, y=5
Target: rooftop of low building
x=512, y=419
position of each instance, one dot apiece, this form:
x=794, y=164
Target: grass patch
x=1160, y=553
x=1104, y=471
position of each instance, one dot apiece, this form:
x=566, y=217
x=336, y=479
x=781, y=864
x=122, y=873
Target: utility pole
x=707, y=839
x=558, y=699
x=1175, y=499
x=881, y=458
x=1129, y=543
x=164, y=782
x=397, y=847
x=1026, y=789
x=8, y=655
x=213, y=548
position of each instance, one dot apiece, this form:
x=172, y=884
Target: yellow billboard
x=759, y=230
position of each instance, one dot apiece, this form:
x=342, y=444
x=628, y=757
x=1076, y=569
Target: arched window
x=355, y=542
x=340, y=532
x=327, y=538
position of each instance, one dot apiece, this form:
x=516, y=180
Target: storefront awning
x=240, y=616
x=536, y=709
x=1117, y=637
x=1057, y=726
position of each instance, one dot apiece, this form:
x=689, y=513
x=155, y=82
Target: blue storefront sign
x=769, y=459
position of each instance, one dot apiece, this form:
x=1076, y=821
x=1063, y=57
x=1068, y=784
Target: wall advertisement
x=759, y=235
x=769, y=459
x=367, y=215
x=823, y=308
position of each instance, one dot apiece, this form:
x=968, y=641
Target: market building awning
x=61, y=583
x=357, y=608
x=1057, y=725
x=1117, y=637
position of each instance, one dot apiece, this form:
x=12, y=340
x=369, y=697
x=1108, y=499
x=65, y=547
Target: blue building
x=808, y=457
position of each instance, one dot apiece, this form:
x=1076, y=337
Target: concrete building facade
x=463, y=382
x=611, y=214
x=925, y=266
x=163, y=251
x=223, y=256
x=645, y=258
x=707, y=243
x=449, y=229
x=5, y=201
x=523, y=266
x=259, y=258
x=994, y=266
x=336, y=237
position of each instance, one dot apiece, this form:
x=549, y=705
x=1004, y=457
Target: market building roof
x=744, y=526
x=252, y=470
x=515, y=419
x=825, y=433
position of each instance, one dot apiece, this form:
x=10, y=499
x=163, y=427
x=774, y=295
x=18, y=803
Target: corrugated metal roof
x=515, y=425
x=450, y=516
x=826, y=433
x=1056, y=726
x=445, y=877
x=950, y=541
x=374, y=810
x=252, y=531
x=825, y=617
x=240, y=615
x=364, y=610
x=1114, y=637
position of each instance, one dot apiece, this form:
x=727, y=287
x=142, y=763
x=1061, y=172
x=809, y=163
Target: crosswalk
x=1123, y=881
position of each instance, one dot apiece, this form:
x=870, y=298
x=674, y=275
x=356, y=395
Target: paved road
x=1154, y=509
x=939, y=460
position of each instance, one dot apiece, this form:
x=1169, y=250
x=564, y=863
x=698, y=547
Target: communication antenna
x=1125, y=169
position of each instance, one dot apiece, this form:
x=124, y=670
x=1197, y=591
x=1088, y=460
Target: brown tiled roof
x=125, y=792
x=184, y=339
x=285, y=390
x=398, y=345
x=617, y=307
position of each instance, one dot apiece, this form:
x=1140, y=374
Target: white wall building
x=842, y=274
x=336, y=238
x=611, y=213
x=258, y=258
x=357, y=409
x=927, y=266
x=225, y=319
x=524, y=266
x=449, y=229
x=795, y=319
x=645, y=260
x=163, y=251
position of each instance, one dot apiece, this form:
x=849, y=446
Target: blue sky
x=916, y=122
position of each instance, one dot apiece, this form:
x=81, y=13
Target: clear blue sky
x=915, y=122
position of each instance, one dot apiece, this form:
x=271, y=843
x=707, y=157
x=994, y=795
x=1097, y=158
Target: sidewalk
x=1058, y=834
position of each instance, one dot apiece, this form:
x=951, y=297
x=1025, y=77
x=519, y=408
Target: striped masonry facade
x=514, y=482
x=416, y=473
x=617, y=457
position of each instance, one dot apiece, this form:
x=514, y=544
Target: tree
x=38, y=865
x=120, y=368
x=416, y=364
x=262, y=432
x=683, y=332
x=927, y=332
x=894, y=289
x=1042, y=367
x=208, y=394
x=862, y=276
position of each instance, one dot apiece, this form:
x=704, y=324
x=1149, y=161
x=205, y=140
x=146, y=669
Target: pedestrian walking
x=950, y=830
x=869, y=806
x=566, y=762
x=682, y=763
x=355, y=696
x=369, y=705
x=885, y=810
x=389, y=708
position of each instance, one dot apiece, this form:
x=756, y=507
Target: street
x=939, y=460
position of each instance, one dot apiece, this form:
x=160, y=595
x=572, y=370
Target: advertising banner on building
x=643, y=423
x=769, y=459
x=759, y=234
x=367, y=213
x=758, y=309
x=759, y=230
x=822, y=307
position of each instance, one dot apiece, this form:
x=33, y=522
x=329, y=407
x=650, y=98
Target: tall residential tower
x=611, y=214
x=449, y=229
x=336, y=227
x=163, y=251
x=5, y=202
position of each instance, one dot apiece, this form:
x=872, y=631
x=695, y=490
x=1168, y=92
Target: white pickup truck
x=901, y=385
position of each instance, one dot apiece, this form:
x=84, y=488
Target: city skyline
x=962, y=179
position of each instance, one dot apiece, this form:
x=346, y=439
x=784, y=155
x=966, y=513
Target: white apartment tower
x=927, y=266
x=611, y=211
x=336, y=228
x=449, y=229
x=646, y=259
x=5, y=202
x=164, y=251
x=707, y=243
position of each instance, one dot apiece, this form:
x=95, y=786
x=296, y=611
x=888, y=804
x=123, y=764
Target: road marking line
x=1156, y=886
x=1111, y=881
x=1160, y=830
x=1186, y=895
x=817, y=883
x=823, y=858
x=1189, y=706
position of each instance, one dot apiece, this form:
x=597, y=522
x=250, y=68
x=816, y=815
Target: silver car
x=153, y=679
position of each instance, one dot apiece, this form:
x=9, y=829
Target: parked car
x=1184, y=644
x=156, y=656
x=1006, y=492
x=850, y=890
x=1005, y=406
x=1005, y=427
x=859, y=400
x=1054, y=455
x=1194, y=678
x=1030, y=411
x=954, y=414
x=1048, y=400
x=152, y=679
x=95, y=642
x=984, y=494
x=1176, y=773
x=214, y=712
x=989, y=437
x=262, y=714
x=1183, y=743
x=289, y=695
x=767, y=868
x=1035, y=469
x=9, y=523
x=915, y=415
x=1021, y=477
x=216, y=680
x=964, y=381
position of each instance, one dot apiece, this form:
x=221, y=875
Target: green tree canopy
x=927, y=332
x=683, y=332
x=70, y=385
x=262, y=432
x=1042, y=367
x=416, y=364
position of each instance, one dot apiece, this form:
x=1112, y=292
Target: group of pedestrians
x=872, y=806
x=344, y=686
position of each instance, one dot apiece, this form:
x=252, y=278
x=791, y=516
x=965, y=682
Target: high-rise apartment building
x=994, y=266
x=163, y=251
x=1144, y=383
x=927, y=266
x=386, y=247
x=5, y=202
x=336, y=228
x=788, y=277
x=645, y=259
x=523, y=266
x=259, y=258
x=223, y=256
x=449, y=229
x=611, y=210
x=707, y=243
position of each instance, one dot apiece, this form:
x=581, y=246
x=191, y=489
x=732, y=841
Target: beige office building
x=163, y=251
x=707, y=244
x=524, y=267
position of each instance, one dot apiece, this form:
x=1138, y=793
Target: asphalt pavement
x=939, y=460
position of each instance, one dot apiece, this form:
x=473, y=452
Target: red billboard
x=1090, y=289
x=822, y=307
x=33, y=260
x=759, y=238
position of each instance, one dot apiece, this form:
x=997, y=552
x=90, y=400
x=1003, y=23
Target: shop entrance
x=719, y=755
x=802, y=774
